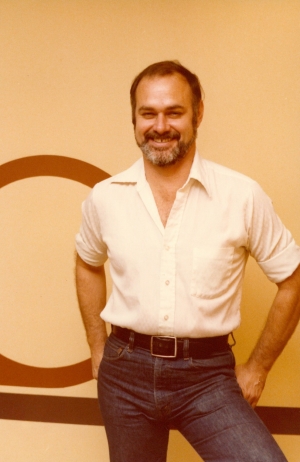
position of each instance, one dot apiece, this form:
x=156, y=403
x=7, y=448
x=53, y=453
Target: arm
x=281, y=323
x=91, y=293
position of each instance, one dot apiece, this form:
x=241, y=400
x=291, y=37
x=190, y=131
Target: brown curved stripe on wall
x=20, y=375
x=12, y=372
x=51, y=165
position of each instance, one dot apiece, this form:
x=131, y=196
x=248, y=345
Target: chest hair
x=164, y=199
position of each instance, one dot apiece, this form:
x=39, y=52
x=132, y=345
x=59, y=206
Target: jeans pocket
x=114, y=349
x=217, y=361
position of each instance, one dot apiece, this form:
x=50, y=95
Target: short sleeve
x=89, y=243
x=270, y=243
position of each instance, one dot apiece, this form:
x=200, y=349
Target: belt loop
x=186, y=347
x=131, y=342
x=234, y=342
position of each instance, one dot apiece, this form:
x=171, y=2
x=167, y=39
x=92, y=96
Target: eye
x=175, y=114
x=148, y=115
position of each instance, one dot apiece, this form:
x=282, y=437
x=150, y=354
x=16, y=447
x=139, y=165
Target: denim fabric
x=141, y=397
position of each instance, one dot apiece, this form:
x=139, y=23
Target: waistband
x=173, y=347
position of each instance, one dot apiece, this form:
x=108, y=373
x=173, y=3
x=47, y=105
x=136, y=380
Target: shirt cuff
x=280, y=267
x=93, y=259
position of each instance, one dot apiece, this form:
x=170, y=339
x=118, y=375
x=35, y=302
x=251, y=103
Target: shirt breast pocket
x=211, y=271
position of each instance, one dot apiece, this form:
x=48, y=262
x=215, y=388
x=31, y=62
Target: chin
x=163, y=160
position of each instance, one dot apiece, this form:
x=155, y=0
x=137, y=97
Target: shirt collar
x=199, y=172
x=131, y=175
x=136, y=173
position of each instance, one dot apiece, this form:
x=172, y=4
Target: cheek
x=188, y=131
x=140, y=130
x=137, y=132
x=139, y=136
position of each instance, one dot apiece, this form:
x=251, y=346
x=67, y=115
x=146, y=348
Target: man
x=178, y=230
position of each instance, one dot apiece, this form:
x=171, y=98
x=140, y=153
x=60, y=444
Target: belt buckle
x=152, y=346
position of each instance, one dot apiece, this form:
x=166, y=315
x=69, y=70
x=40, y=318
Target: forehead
x=169, y=90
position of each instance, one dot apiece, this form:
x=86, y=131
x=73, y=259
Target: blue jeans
x=141, y=397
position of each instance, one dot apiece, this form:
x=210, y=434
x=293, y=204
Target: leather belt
x=173, y=347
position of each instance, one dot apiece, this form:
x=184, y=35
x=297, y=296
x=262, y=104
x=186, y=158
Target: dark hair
x=162, y=69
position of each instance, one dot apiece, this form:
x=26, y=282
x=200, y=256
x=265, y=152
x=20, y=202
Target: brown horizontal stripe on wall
x=53, y=409
x=85, y=411
x=280, y=420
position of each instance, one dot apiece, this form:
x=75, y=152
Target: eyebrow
x=168, y=108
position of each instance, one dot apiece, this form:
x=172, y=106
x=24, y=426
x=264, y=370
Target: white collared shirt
x=184, y=279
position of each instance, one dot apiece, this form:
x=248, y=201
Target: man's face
x=164, y=128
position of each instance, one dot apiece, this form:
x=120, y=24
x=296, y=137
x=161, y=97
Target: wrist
x=96, y=342
x=258, y=369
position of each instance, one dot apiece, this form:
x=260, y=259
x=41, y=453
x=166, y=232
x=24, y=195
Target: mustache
x=171, y=135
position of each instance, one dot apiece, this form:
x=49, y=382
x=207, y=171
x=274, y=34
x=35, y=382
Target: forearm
x=91, y=293
x=281, y=323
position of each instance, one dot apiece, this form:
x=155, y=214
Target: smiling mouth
x=162, y=140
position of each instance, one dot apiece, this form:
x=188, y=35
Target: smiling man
x=163, y=127
x=178, y=230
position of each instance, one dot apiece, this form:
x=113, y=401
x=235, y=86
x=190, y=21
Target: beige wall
x=65, y=71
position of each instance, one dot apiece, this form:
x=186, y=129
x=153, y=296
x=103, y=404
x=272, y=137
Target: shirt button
x=167, y=247
x=167, y=282
x=166, y=317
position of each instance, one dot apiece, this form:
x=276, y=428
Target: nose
x=161, y=124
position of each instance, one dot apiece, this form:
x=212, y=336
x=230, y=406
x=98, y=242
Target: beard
x=166, y=156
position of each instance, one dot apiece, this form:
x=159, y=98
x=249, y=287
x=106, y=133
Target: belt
x=173, y=347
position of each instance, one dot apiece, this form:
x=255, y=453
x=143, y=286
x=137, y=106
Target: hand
x=251, y=382
x=96, y=357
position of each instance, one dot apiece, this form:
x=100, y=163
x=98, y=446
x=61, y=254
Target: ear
x=200, y=113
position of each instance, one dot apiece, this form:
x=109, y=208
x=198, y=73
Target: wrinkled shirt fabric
x=184, y=279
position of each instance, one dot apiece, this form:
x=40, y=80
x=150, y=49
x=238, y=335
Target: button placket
x=168, y=265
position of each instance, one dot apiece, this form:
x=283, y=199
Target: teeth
x=159, y=140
